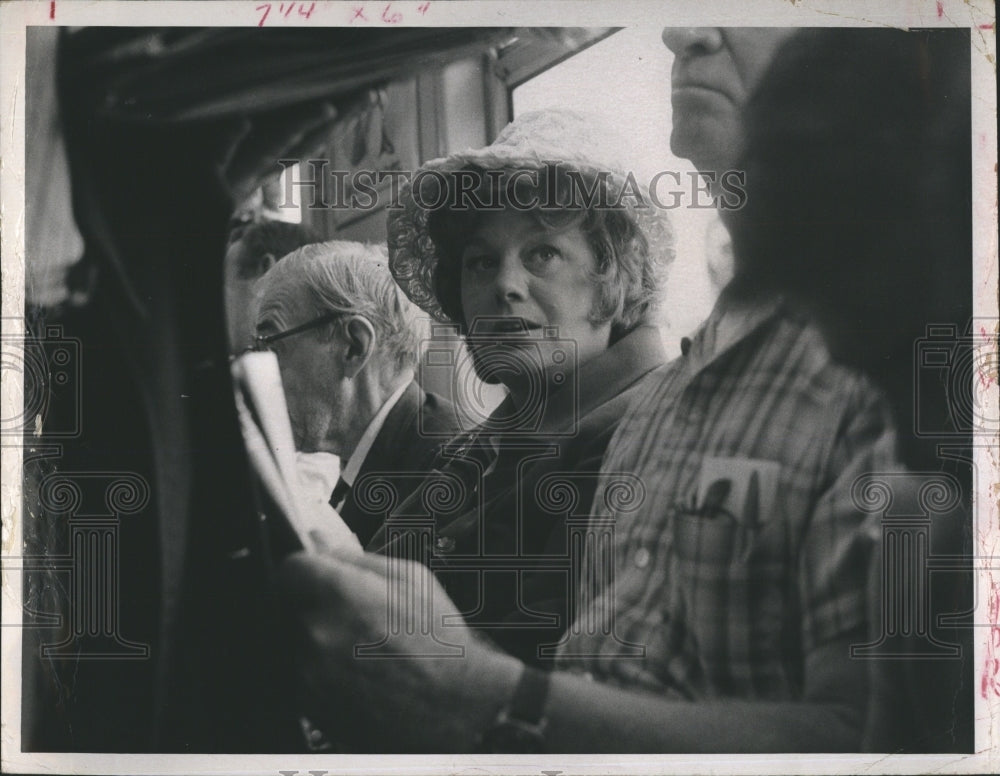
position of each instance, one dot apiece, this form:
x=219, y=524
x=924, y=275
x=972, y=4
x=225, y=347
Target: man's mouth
x=687, y=87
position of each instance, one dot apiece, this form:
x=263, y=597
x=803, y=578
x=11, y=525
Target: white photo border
x=978, y=15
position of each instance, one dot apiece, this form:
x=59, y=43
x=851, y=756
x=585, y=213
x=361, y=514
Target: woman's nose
x=692, y=41
x=510, y=281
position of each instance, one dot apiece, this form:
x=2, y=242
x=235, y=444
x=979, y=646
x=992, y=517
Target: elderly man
x=720, y=614
x=347, y=341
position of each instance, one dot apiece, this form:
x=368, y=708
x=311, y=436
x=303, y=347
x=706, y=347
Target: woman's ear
x=360, y=335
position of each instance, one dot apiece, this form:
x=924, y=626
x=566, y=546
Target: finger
x=278, y=132
x=309, y=143
x=278, y=136
x=368, y=561
x=320, y=545
x=309, y=581
x=384, y=567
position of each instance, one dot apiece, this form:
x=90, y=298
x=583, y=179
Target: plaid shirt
x=745, y=551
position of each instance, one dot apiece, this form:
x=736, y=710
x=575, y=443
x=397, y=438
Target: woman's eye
x=542, y=255
x=478, y=262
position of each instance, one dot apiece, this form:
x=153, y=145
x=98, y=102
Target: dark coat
x=401, y=455
x=500, y=542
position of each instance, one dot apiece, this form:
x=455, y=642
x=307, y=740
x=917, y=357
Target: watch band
x=520, y=725
x=528, y=702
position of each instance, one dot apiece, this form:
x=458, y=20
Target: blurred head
x=715, y=71
x=859, y=192
x=255, y=249
x=366, y=338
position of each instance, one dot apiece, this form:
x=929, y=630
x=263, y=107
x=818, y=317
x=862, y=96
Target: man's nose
x=510, y=280
x=692, y=41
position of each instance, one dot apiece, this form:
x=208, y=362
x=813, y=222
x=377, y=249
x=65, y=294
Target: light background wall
x=626, y=79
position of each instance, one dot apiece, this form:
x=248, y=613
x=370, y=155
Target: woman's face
x=522, y=281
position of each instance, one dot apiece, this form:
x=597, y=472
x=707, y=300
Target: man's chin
x=706, y=143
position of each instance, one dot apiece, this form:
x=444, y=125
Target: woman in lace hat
x=548, y=255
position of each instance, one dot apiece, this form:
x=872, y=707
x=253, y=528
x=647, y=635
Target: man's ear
x=360, y=335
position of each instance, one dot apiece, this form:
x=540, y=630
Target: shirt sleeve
x=840, y=538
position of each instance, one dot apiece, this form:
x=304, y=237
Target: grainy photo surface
x=555, y=387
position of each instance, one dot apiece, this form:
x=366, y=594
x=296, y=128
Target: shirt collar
x=598, y=380
x=731, y=321
x=357, y=459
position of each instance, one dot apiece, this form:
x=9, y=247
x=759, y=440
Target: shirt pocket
x=720, y=544
x=730, y=583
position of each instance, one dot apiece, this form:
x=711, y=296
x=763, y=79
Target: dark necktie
x=339, y=495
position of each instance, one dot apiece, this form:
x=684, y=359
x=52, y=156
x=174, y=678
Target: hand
x=376, y=667
x=258, y=142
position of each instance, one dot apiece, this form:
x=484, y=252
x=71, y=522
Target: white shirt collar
x=350, y=471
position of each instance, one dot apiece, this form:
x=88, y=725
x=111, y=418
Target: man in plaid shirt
x=742, y=574
x=746, y=558
x=736, y=580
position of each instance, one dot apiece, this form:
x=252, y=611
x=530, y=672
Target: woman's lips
x=514, y=326
x=506, y=326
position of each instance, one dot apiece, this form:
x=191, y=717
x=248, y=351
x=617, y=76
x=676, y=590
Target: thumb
x=308, y=581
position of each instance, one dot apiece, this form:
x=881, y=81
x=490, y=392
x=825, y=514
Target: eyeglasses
x=263, y=342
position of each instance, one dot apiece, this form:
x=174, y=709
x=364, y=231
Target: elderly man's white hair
x=347, y=277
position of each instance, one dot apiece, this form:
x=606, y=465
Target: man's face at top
x=715, y=71
x=242, y=270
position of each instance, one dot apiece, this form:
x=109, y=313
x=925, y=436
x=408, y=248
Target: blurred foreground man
x=719, y=614
x=347, y=341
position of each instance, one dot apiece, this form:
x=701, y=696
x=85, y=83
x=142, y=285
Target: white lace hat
x=568, y=140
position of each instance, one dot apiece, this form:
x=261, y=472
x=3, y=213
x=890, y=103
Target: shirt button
x=444, y=544
x=641, y=558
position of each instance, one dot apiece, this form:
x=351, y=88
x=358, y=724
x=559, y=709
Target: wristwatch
x=519, y=728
